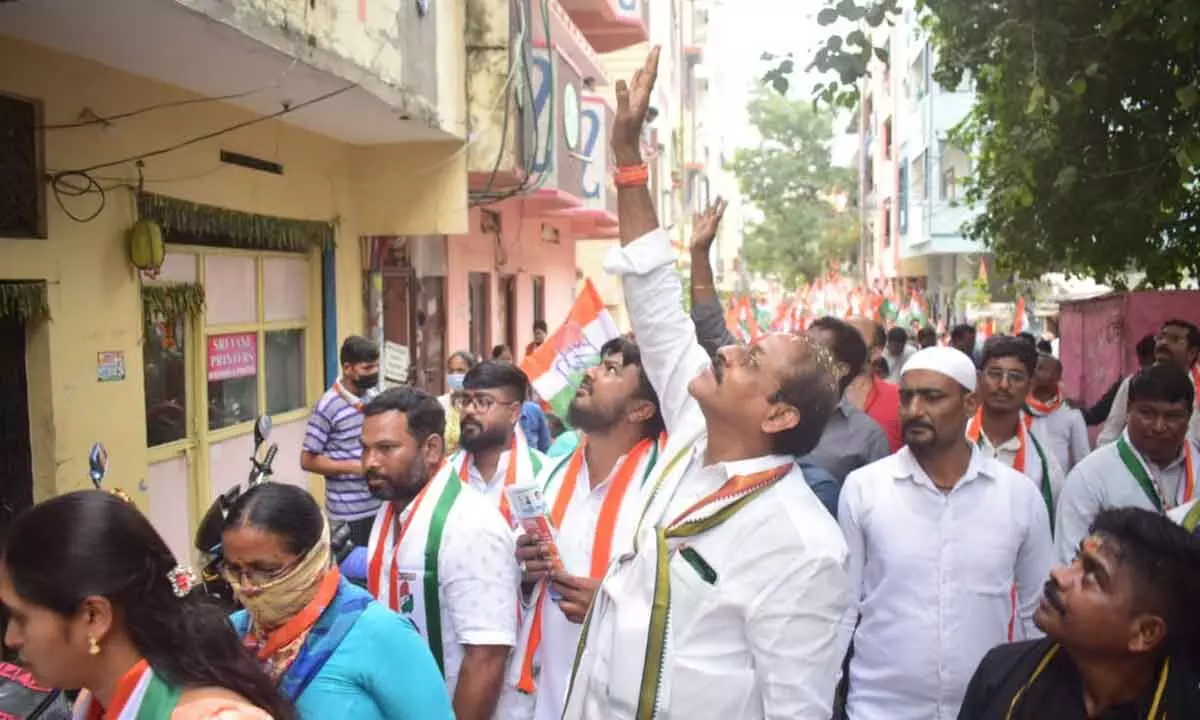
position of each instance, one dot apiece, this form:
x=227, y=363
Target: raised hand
x=633, y=102
x=705, y=226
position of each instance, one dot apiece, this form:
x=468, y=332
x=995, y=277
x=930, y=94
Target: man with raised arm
x=727, y=604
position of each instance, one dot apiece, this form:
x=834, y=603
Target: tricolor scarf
x=644, y=579
x=1038, y=471
x=1136, y=465
x=1191, y=519
x=523, y=467
x=404, y=575
x=630, y=472
x=319, y=641
x=1037, y=408
x=140, y=695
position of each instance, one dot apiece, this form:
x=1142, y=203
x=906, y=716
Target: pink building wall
x=523, y=253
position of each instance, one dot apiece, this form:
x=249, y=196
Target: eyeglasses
x=252, y=577
x=1014, y=377
x=464, y=401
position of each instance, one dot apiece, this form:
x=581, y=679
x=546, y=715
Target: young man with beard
x=1054, y=420
x=331, y=448
x=727, y=601
x=1001, y=428
x=439, y=553
x=938, y=535
x=1121, y=633
x=1178, y=344
x=493, y=451
x=1152, y=465
x=595, y=501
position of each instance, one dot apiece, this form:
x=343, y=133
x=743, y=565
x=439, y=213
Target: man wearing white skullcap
x=938, y=535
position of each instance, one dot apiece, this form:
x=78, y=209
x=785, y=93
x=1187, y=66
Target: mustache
x=1053, y=596
x=916, y=425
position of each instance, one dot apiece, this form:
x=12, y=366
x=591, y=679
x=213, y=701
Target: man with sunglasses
x=493, y=451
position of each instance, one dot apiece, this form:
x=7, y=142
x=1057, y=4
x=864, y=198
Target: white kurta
x=931, y=576
x=1102, y=481
x=759, y=638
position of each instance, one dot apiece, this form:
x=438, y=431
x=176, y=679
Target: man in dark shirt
x=1122, y=633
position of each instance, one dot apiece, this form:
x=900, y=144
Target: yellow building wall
x=94, y=293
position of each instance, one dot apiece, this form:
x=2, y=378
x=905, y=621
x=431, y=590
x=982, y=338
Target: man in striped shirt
x=332, y=442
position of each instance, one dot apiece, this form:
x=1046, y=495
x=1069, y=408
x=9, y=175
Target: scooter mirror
x=262, y=430
x=97, y=464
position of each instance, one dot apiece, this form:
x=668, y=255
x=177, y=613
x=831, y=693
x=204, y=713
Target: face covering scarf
x=283, y=610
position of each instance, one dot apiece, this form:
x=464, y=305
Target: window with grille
x=21, y=199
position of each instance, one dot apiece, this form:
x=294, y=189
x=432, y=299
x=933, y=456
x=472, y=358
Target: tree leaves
x=789, y=178
x=1086, y=124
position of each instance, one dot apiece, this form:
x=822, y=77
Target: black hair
x=1164, y=382
x=280, y=509
x=848, y=347
x=878, y=336
x=631, y=354
x=1028, y=337
x=466, y=357
x=1164, y=560
x=358, y=349
x=1007, y=346
x=897, y=334
x=90, y=543
x=498, y=351
x=1145, y=349
x=491, y=374
x=961, y=331
x=1193, y=333
x=881, y=366
x=540, y=325
x=927, y=334
x=1044, y=347
x=424, y=413
x=812, y=389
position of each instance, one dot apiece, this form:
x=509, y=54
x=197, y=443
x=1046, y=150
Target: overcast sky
x=741, y=31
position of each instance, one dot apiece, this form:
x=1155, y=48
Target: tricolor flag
x=556, y=368
x=1019, y=321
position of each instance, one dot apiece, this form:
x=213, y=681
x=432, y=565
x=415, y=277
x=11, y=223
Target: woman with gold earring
x=98, y=602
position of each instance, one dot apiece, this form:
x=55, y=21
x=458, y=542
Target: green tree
x=1086, y=125
x=791, y=180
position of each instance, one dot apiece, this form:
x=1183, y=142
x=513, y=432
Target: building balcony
x=348, y=73
x=935, y=228
x=611, y=25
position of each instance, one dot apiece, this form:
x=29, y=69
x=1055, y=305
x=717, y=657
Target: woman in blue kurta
x=333, y=649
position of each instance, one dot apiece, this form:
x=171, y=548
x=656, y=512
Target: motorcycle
x=208, y=535
x=20, y=695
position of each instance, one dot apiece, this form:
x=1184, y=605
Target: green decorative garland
x=25, y=301
x=181, y=219
x=172, y=301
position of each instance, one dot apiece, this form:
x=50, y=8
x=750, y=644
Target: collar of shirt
x=501, y=468
x=906, y=467
x=1170, y=467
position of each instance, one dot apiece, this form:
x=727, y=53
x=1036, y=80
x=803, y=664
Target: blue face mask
x=455, y=381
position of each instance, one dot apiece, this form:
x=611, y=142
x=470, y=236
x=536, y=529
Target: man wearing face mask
x=494, y=453
x=439, y=553
x=331, y=442
x=456, y=370
x=938, y=534
x=1152, y=464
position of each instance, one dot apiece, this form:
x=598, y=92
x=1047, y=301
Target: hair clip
x=183, y=580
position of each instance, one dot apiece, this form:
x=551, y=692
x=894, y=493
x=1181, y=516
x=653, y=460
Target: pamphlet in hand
x=529, y=506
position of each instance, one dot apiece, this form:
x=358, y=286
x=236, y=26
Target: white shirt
x=1064, y=433
x=493, y=488
x=478, y=585
x=760, y=640
x=931, y=578
x=1119, y=414
x=560, y=636
x=896, y=364
x=1102, y=481
x=1006, y=453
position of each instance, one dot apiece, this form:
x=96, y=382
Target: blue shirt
x=822, y=483
x=382, y=670
x=533, y=423
x=335, y=430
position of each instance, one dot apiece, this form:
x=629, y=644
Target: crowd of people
x=764, y=530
